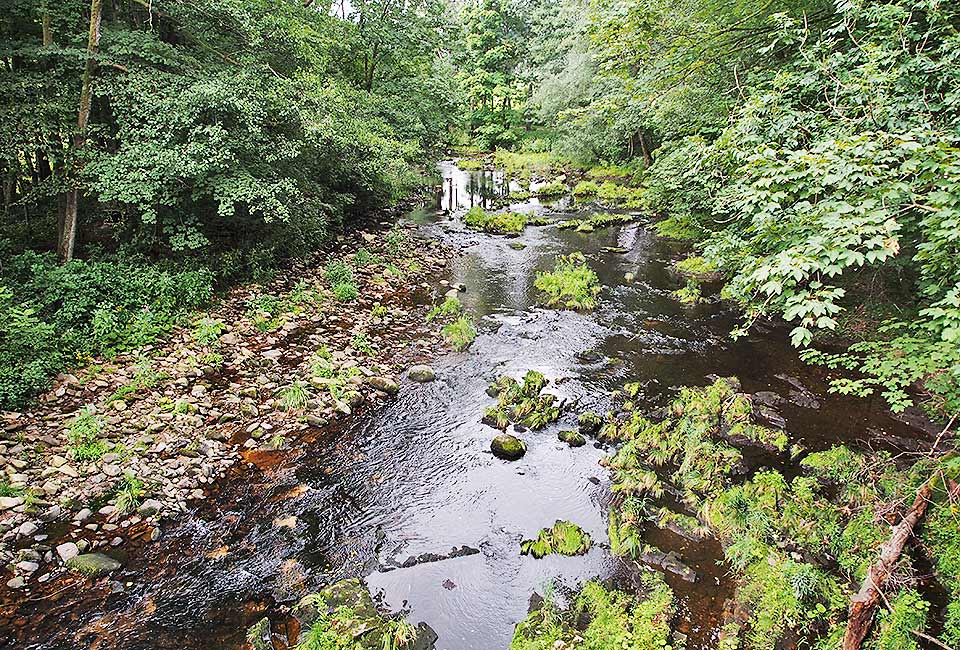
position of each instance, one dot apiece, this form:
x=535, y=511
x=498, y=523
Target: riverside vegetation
x=200, y=271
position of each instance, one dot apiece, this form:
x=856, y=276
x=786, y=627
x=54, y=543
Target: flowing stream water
x=417, y=477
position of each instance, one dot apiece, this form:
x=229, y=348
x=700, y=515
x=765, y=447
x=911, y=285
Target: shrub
x=572, y=283
x=53, y=315
x=207, y=331
x=451, y=306
x=83, y=437
x=338, y=273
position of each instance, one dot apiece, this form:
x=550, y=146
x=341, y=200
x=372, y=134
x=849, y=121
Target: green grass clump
x=563, y=538
x=503, y=223
x=451, y=306
x=460, y=333
x=294, y=397
x=553, y=188
x=83, y=436
x=346, y=292
x=586, y=188
x=130, y=493
x=610, y=192
x=363, y=257
x=572, y=284
x=524, y=162
x=521, y=403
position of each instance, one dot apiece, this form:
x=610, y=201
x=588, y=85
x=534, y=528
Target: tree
x=68, y=233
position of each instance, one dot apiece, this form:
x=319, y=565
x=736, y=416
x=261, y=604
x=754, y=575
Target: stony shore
x=124, y=447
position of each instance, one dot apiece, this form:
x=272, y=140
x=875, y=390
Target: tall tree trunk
x=645, y=148
x=47, y=31
x=68, y=235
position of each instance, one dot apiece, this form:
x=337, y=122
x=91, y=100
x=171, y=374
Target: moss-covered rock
x=589, y=423
x=572, y=438
x=343, y=615
x=93, y=564
x=603, y=618
x=508, y=447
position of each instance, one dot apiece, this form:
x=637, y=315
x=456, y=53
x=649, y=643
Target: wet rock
x=67, y=551
x=27, y=567
x=508, y=447
x=93, y=564
x=316, y=421
x=16, y=583
x=384, y=385
x=572, y=438
x=669, y=562
x=422, y=374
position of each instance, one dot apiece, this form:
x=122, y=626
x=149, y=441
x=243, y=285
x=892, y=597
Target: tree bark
x=864, y=602
x=68, y=235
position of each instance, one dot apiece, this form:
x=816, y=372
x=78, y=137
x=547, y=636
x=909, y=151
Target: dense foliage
x=808, y=147
x=222, y=135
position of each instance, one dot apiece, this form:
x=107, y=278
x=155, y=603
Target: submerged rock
x=422, y=374
x=508, y=447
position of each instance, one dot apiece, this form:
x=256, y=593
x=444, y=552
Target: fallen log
x=864, y=602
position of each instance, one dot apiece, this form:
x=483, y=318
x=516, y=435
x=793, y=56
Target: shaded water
x=417, y=477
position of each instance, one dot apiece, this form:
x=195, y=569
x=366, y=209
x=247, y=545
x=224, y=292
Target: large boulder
x=508, y=447
x=93, y=564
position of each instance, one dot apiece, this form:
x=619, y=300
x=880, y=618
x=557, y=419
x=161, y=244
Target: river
x=417, y=476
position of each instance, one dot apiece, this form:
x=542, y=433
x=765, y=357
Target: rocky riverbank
x=120, y=449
